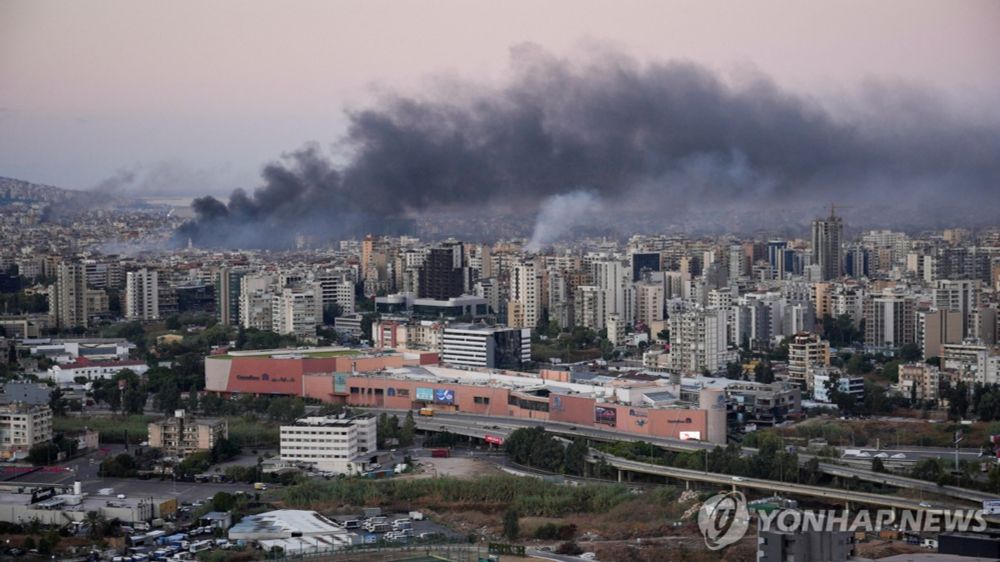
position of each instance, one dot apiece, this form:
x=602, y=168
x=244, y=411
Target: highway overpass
x=478, y=427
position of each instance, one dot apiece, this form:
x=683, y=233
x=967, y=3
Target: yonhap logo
x=724, y=519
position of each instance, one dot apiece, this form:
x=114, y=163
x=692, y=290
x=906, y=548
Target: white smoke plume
x=560, y=214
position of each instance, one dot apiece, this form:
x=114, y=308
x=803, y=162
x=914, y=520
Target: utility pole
x=958, y=439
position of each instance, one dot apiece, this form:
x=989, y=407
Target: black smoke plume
x=657, y=137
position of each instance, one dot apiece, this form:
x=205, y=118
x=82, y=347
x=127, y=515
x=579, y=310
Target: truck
x=440, y=453
x=426, y=412
x=260, y=486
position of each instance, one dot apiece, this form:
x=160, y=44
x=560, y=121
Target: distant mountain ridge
x=12, y=189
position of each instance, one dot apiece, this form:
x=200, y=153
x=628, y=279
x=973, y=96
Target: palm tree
x=97, y=523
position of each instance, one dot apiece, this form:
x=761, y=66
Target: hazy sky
x=196, y=96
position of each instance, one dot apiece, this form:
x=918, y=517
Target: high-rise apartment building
x=699, y=341
x=588, y=309
x=296, y=311
x=227, y=296
x=68, y=297
x=827, y=235
x=442, y=274
x=806, y=351
x=142, y=295
x=525, y=307
x=890, y=320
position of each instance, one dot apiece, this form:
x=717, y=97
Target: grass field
x=111, y=428
x=246, y=433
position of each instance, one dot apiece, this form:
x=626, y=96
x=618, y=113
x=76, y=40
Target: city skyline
x=577, y=117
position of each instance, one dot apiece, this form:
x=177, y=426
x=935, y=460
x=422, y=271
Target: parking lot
x=84, y=469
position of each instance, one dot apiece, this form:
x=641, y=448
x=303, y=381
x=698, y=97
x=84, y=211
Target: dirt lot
x=461, y=467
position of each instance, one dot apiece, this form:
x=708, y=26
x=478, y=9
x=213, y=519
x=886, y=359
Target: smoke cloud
x=643, y=137
x=559, y=215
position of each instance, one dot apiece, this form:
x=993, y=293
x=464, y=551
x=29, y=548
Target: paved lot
x=85, y=468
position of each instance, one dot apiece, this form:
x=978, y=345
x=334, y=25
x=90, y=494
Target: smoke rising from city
x=655, y=137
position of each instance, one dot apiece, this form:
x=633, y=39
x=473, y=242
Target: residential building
x=68, y=297
x=142, y=295
x=806, y=351
x=588, y=309
x=183, y=434
x=296, y=311
x=889, y=320
x=846, y=384
x=525, y=307
x=698, y=341
x=827, y=252
x=919, y=381
x=934, y=328
x=23, y=426
x=228, y=288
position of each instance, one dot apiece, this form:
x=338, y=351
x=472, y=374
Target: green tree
x=407, y=433
x=168, y=398
x=57, y=403
x=734, y=371
x=511, y=525
x=223, y=501
x=878, y=465
x=574, y=461
x=910, y=352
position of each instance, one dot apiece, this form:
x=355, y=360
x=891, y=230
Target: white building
x=330, y=444
x=849, y=384
x=477, y=345
x=142, y=295
x=296, y=311
x=698, y=341
x=525, y=306
x=589, y=307
x=91, y=370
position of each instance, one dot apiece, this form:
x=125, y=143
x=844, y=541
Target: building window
x=481, y=400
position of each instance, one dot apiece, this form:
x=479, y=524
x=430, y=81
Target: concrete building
x=934, y=328
x=93, y=370
x=228, y=288
x=142, y=295
x=847, y=384
x=23, y=426
x=649, y=298
x=296, y=312
x=817, y=545
x=961, y=295
x=698, y=341
x=806, y=351
x=182, y=434
x=890, y=320
x=589, y=307
x=827, y=235
x=975, y=363
x=525, y=306
x=68, y=297
x=919, y=381
x=331, y=444
x=479, y=345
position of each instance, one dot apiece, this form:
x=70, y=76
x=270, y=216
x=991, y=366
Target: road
x=478, y=426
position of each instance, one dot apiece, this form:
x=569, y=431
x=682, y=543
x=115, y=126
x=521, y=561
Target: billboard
x=426, y=394
x=444, y=396
x=606, y=416
x=340, y=383
x=685, y=435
